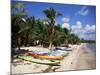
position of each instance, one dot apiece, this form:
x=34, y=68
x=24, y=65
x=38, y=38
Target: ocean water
x=92, y=47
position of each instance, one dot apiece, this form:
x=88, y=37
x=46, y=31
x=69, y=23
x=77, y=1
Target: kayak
x=46, y=56
x=62, y=48
x=51, y=57
x=41, y=61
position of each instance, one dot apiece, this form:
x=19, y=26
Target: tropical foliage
x=29, y=31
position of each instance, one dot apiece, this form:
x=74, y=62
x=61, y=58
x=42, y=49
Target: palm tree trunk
x=19, y=43
x=51, y=37
x=50, y=44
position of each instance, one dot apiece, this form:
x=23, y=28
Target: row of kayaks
x=49, y=55
x=50, y=58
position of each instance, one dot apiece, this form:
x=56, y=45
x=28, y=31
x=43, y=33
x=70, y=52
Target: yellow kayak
x=41, y=56
x=51, y=57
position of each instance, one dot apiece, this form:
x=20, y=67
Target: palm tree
x=67, y=34
x=41, y=30
x=18, y=9
x=51, y=15
x=27, y=31
x=17, y=13
x=74, y=39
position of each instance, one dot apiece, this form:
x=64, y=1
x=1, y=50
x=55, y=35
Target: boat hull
x=40, y=61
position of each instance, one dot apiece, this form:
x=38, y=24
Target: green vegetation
x=51, y=15
x=88, y=41
x=29, y=31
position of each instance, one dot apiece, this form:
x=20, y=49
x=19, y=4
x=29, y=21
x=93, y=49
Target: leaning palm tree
x=51, y=15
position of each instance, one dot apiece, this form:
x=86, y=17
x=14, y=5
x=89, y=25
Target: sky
x=81, y=19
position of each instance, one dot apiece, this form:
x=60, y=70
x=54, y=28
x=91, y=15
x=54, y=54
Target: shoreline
x=80, y=58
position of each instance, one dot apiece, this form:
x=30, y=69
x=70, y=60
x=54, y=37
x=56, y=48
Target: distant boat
x=41, y=61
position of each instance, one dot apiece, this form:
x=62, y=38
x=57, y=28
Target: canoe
x=41, y=61
x=46, y=56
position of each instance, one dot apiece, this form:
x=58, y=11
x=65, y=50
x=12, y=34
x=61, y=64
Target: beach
x=80, y=58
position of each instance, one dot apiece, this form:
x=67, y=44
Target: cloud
x=66, y=25
x=66, y=22
x=90, y=37
x=84, y=31
x=79, y=25
x=65, y=19
x=84, y=11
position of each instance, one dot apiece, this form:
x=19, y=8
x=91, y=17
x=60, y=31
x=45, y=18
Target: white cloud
x=90, y=36
x=79, y=25
x=65, y=19
x=84, y=11
x=90, y=28
x=66, y=22
x=66, y=25
x=93, y=28
x=84, y=31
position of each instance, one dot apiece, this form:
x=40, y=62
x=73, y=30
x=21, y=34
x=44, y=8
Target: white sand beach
x=79, y=58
